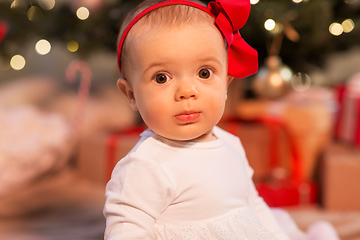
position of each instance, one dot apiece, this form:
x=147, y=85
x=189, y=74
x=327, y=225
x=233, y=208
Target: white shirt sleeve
x=135, y=196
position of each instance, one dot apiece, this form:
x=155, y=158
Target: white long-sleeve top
x=166, y=189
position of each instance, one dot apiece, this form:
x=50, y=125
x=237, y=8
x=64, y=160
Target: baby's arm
x=135, y=196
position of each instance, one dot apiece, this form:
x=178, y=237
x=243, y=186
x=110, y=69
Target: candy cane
x=83, y=93
x=4, y=28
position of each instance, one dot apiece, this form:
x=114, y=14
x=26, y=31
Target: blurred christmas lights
x=82, y=13
x=17, y=4
x=17, y=62
x=47, y=4
x=43, y=47
x=286, y=73
x=269, y=24
x=348, y=25
x=34, y=14
x=72, y=46
x=253, y=2
x=336, y=29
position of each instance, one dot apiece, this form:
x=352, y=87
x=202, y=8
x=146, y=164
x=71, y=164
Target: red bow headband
x=230, y=16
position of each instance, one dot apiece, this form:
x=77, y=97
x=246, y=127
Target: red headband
x=230, y=16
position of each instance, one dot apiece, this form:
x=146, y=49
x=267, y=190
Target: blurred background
x=64, y=124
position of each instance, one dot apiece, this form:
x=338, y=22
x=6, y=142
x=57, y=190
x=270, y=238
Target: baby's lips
x=188, y=117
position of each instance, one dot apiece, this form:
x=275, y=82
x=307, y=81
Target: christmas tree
x=301, y=34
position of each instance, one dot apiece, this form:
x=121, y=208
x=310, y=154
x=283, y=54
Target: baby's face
x=179, y=80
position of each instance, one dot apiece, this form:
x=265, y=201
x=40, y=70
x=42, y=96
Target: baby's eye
x=205, y=73
x=161, y=78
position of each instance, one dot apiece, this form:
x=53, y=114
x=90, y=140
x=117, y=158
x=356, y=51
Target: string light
x=19, y=5
x=14, y=4
x=82, y=13
x=336, y=29
x=34, y=14
x=47, y=4
x=17, y=62
x=43, y=47
x=72, y=46
x=253, y=2
x=348, y=25
x=269, y=24
x=297, y=1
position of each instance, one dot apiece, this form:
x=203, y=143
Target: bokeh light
x=269, y=24
x=297, y=1
x=286, y=73
x=82, y=13
x=275, y=79
x=47, y=4
x=43, y=47
x=336, y=29
x=348, y=25
x=300, y=82
x=17, y=4
x=72, y=46
x=253, y=2
x=34, y=14
x=17, y=62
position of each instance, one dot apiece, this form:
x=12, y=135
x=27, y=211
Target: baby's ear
x=126, y=88
x=229, y=79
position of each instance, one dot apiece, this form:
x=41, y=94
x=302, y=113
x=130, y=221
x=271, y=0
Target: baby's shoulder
x=220, y=133
x=146, y=149
x=229, y=139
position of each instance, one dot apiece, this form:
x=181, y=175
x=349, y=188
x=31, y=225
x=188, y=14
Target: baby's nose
x=186, y=91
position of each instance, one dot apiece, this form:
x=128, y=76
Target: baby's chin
x=203, y=137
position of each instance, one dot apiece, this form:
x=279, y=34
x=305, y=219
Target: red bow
x=230, y=17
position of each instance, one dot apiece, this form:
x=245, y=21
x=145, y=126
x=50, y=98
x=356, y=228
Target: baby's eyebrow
x=155, y=64
x=210, y=59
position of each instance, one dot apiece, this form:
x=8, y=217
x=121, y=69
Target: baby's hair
x=173, y=15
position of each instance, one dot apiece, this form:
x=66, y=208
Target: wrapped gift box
x=99, y=153
x=341, y=177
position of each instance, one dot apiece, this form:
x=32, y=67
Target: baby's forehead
x=172, y=16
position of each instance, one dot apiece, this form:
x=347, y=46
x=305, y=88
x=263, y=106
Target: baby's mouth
x=188, y=116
